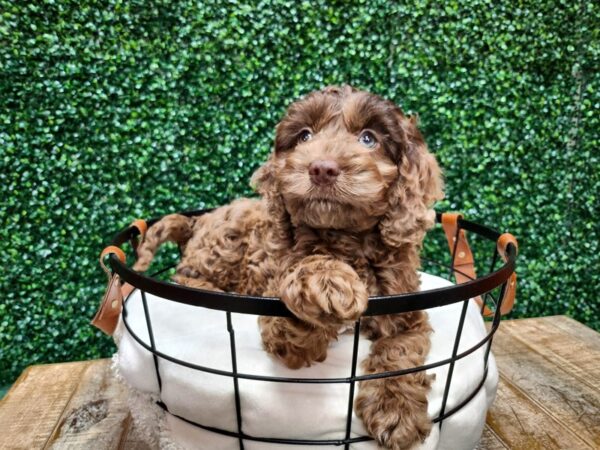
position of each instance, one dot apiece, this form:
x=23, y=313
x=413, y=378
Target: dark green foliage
x=114, y=110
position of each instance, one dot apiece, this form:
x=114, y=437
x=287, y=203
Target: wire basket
x=493, y=290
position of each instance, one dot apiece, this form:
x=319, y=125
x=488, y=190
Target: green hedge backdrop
x=115, y=110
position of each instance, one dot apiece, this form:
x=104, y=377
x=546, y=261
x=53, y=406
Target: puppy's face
x=336, y=155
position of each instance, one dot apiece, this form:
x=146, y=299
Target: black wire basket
x=491, y=289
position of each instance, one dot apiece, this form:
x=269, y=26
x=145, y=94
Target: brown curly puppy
x=346, y=201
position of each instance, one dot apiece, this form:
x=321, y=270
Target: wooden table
x=548, y=397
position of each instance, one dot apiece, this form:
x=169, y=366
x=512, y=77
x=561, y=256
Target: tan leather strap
x=511, y=287
x=142, y=227
x=464, y=263
x=464, y=267
x=108, y=250
x=107, y=316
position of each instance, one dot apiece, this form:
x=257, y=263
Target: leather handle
x=510, y=291
x=142, y=227
x=464, y=263
x=503, y=241
x=107, y=316
x=114, y=250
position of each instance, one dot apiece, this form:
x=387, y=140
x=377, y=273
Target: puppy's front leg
x=323, y=291
x=294, y=342
x=394, y=410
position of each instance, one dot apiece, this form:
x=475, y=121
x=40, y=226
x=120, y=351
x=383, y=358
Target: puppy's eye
x=305, y=135
x=367, y=139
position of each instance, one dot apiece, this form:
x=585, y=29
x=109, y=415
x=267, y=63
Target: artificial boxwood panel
x=115, y=110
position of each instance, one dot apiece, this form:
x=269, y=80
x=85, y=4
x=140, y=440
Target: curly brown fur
x=295, y=342
x=394, y=410
x=172, y=228
x=346, y=201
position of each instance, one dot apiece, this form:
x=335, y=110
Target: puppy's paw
x=322, y=290
x=394, y=412
x=294, y=343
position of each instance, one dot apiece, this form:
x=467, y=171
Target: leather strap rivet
x=461, y=255
x=114, y=304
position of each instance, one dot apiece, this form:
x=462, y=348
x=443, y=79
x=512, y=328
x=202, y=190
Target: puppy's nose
x=323, y=171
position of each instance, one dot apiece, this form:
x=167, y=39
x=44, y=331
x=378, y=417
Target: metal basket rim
x=273, y=306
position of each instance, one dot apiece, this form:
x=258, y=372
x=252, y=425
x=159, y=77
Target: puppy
x=347, y=197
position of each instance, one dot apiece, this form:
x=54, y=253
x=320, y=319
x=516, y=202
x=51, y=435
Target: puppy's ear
x=418, y=187
x=264, y=181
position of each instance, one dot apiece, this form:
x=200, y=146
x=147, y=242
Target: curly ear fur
x=411, y=199
x=265, y=183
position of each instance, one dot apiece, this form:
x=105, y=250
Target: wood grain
x=546, y=396
x=97, y=414
x=490, y=441
x=565, y=343
x=523, y=424
x=550, y=386
x=33, y=406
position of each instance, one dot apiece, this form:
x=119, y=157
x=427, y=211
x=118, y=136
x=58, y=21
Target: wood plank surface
x=68, y=406
x=551, y=386
x=97, y=416
x=523, y=424
x=31, y=409
x=548, y=396
x=563, y=342
x=490, y=441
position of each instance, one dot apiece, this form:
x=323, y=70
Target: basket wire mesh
x=486, y=287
